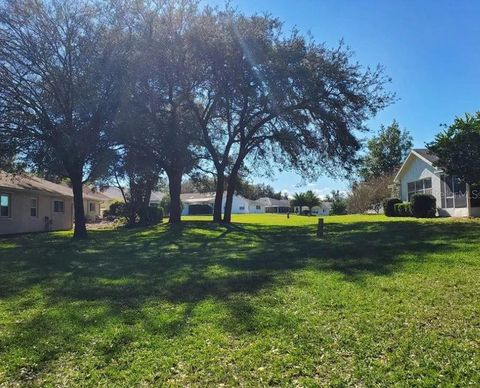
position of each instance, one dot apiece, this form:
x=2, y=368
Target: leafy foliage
x=403, y=209
x=299, y=200
x=389, y=206
x=424, y=206
x=269, y=97
x=458, y=149
x=311, y=200
x=339, y=203
x=116, y=209
x=386, y=151
x=60, y=68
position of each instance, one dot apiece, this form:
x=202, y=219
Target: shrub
x=155, y=215
x=116, y=209
x=424, y=206
x=389, y=206
x=403, y=209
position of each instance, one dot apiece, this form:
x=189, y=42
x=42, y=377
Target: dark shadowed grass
x=263, y=301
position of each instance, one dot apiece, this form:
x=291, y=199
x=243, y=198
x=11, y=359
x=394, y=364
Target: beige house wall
x=94, y=213
x=20, y=220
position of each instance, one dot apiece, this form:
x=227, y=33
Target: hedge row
x=422, y=206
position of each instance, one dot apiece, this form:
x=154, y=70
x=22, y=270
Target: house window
x=34, y=207
x=58, y=206
x=242, y=207
x=5, y=205
x=92, y=207
x=453, y=192
x=422, y=186
x=258, y=207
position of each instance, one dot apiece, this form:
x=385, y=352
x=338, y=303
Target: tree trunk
x=175, y=188
x=144, y=206
x=217, y=208
x=227, y=216
x=232, y=183
x=80, y=230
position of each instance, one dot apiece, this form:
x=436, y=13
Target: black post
x=320, y=228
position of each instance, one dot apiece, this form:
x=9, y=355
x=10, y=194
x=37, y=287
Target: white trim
x=410, y=155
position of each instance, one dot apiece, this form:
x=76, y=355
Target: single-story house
x=322, y=210
x=112, y=194
x=32, y=204
x=203, y=203
x=418, y=174
x=156, y=198
x=269, y=205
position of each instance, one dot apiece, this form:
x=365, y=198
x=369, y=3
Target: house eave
x=411, y=155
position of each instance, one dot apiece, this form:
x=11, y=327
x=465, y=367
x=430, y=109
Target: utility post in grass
x=320, y=228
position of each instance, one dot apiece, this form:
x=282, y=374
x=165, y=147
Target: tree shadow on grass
x=86, y=286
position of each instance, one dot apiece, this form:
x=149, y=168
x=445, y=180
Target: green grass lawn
x=376, y=302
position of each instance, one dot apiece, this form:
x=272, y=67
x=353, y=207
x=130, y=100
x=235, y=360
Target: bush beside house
x=389, y=206
x=403, y=209
x=424, y=206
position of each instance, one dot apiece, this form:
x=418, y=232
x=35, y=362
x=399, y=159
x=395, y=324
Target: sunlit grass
x=377, y=301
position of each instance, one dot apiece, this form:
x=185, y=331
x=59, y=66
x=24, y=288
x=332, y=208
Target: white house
x=203, y=203
x=419, y=175
x=322, y=210
x=269, y=205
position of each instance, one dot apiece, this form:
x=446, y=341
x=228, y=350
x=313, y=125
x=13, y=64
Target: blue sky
x=430, y=49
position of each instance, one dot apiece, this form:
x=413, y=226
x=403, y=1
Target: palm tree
x=299, y=201
x=311, y=200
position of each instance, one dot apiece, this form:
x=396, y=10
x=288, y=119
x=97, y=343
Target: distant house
x=419, y=175
x=322, y=210
x=32, y=204
x=203, y=203
x=269, y=205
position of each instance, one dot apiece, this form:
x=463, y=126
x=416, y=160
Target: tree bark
x=175, y=188
x=232, y=183
x=80, y=229
x=227, y=216
x=217, y=208
x=144, y=210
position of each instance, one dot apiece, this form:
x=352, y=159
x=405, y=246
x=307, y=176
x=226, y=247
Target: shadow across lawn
x=195, y=260
x=72, y=289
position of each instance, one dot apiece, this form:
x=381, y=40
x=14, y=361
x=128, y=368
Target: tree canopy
x=270, y=97
x=150, y=87
x=385, y=151
x=458, y=148
x=60, y=65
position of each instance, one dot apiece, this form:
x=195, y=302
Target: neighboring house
x=419, y=175
x=113, y=194
x=156, y=198
x=32, y=204
x=93, y=204
x=322, y=210
x=270, y=205
x=203, y=203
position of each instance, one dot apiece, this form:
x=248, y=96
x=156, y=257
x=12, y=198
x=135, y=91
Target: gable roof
x=423, y=153
x=420, y=153
x=266, y=201
x=24, y=181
